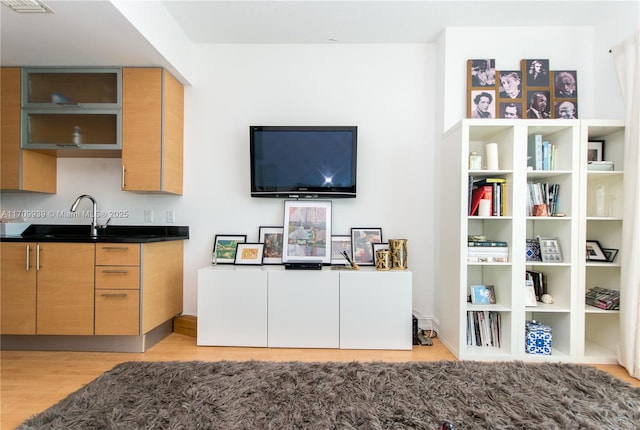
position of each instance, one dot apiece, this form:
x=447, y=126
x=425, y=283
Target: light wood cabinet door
x=17, y=288
x=152, y=131
x=66, y=289
x=21, y=170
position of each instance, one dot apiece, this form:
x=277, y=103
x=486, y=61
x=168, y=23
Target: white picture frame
x=307, y=231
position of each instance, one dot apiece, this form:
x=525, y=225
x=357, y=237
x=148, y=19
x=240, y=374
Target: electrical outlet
x=171, y=216
x=148, y=215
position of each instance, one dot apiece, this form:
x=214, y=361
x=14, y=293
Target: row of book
x=539, y=282
x=492, y=189
x=542, y=199
x=487, y=251
x=484, y=328
x=541, y=154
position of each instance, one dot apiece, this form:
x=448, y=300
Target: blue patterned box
x=538, y=338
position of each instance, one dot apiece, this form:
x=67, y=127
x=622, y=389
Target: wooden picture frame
x=340, y=243
x=249, y=254
x=225, y=246
x=594, y=251
x=550, y=250
x=307, y=231
x=271, y=236
x=362, y=240
x=595, y=150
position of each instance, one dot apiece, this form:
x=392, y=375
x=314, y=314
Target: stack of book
x=483, y=328
x=492, y=189
x=541, y=154
x=603, y=298
x=542, y=199
x=487, y=251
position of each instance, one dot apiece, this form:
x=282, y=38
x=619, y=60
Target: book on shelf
x=542, y=196
x=530, y=292
x=487, y=252
x=492, y=189
x=539, y=281
x=484, y=328
x=487, y=243
x=483, y=294
x=541, y=154
x=603, y=298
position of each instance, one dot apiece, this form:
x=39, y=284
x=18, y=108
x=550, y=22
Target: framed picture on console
x=272, y=239
x=307, y=231
x=362, y=240
x=249, y=253
x=224, y=247
x=340, y=243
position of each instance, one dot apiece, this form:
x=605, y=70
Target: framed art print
x=483, y=294
x=307, y=231
x=249, y=253
x=595, y=251
x=362, y=240
x=595, y=150
x=224, y=247
x=550, y=250
x=340, y=243
x=272, y=239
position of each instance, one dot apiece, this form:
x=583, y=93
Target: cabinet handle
x=67, y=145
x=115, y=271
x=122, y=177
x=37, y=258
x=121, y=248
x=114, y=294
x=28, y=263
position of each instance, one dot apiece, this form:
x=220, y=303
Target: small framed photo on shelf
x=610, y=253
x=307, y=231
x=595, y=150
x=340, y=243
x=483, y=294
x=272, y=239
x=550, y=250
x=249, y=253
x=224, y=247
x=595, y=252
x=362, y=240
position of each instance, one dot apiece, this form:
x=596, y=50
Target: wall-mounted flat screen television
x=303, y=161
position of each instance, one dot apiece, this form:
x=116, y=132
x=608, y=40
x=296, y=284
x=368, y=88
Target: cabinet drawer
x=118, y=254
x=117, y=312
x=118, y=277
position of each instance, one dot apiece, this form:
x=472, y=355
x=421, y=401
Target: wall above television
x=303, y=161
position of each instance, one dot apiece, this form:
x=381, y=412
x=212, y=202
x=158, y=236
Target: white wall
x=386, y=90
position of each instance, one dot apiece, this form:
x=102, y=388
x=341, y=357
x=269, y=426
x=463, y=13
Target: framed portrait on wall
x=307, y=231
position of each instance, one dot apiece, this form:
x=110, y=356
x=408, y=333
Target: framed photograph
x=483, y=294
x=340, y=243
x=595, y=150
x=595, y=252
x=362, y=240
x=272, y=239
x=537, y=72
x=307, y=231
x=224, y=247
x=249, y=253
x=610, y=253
x=550, y=250
x=565, y=84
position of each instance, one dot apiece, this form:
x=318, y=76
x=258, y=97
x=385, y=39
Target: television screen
x=303, y=161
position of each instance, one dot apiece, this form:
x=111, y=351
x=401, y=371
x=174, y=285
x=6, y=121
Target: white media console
x=268, y=306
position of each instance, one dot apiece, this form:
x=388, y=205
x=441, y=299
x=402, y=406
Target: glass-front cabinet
x=72, y=108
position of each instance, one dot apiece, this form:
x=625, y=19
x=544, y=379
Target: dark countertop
x=113, y=233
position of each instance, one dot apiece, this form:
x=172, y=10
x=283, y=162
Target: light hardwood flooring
x=31, y=381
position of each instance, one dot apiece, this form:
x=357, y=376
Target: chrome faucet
x=94, y=214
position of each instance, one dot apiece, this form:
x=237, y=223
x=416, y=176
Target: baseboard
x=186, y=324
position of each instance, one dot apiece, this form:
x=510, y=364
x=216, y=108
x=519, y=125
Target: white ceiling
x=94, y=32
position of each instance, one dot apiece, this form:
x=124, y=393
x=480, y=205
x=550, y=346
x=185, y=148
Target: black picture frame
x=595, y=150
x=225, y=247
x=271, y=236
x=249, y=254
x=610, y=253
x=594, y=251
x=362, y=240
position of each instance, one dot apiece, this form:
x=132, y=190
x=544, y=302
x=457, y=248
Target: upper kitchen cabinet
x=152, y=133
x=65, y=110
x=20, y=170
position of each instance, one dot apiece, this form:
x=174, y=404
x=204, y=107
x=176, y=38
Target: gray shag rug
x=297, y=395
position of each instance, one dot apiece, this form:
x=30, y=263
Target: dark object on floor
x=287, y=395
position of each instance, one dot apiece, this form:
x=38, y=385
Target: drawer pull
x=114, y=294
x=121, y=248
x=28, y=257
x=122, y=271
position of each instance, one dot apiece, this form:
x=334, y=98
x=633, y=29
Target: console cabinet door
x=18, y=288
x=65, y=288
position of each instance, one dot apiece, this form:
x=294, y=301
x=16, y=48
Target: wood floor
x=31, y=381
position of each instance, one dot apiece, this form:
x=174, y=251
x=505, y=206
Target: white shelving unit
x=576, y=329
